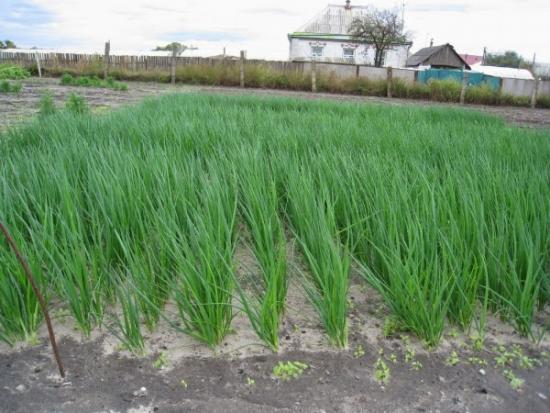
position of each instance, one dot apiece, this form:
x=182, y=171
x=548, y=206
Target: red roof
x=471, y=59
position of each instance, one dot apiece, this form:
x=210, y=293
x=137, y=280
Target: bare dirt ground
x=457, y=376
x=238, y=376
x=16, y=108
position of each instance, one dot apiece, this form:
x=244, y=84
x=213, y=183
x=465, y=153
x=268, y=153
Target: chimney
x=348, y=4
x=432, y=42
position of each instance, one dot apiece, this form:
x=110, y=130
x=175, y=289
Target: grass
x=443, y=211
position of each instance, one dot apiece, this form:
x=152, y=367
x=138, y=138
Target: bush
x=482, y=95
x=67, y=79
x=77, y=104
x=444, y=90
x=7, y=87
x=543, y=102
x=94, y=81
x=13, y=72
x=47, y=104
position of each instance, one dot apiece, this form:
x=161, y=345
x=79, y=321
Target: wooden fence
x=147, y=63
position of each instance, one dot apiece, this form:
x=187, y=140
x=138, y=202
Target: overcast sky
x=261, y=26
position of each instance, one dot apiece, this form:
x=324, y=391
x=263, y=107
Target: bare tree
x=380, y=29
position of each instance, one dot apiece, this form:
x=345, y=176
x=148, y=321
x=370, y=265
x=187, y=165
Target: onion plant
x=312, y=216
x=445, y=212
x=259, y=205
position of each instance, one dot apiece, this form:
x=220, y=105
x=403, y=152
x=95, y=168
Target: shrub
x=483, y=95
x=67, y=79
x=76, y=104
x=93, y=81
x=445, y=90
x=8, y=71
x=543, y=102
x=47, y=104
x=7, y=87
x=16, y=87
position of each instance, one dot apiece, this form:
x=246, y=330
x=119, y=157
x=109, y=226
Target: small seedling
x=250, y=381
x=183, y=383
x=477, y=343
x=161, y=362
x=409, y=355
x=393, y=358
x=289, y=370
x=359, y=351
x=381, y=371
x=453, y=333
x=504, y=359
x=523, y=361
x=453, y=359
x=391, y=327
x=514, y=381
x=477, y=360
x=416, y=365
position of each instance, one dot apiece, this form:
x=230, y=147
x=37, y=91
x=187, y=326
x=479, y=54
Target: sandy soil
x=237, y=376
x=17, y=108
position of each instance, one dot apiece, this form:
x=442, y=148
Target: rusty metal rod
x=40, y=297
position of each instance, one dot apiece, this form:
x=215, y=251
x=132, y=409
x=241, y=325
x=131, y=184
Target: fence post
x=464, y=86
x=313, y=76
x=535, y=93
x=173, y=65
x=357, y=71
x=389, y=81
x=37, y=57
x=241, y=68
x=106, y=58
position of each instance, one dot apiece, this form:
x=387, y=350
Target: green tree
x=180, y=48
x=506, y=59
x=8, y=44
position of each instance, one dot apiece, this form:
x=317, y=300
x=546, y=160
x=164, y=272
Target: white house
x=326, y=39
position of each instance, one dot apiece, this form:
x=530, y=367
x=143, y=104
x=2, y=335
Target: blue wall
x=474, y=78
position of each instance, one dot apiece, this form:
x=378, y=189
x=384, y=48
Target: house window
x=349, y=53
x=316, y=51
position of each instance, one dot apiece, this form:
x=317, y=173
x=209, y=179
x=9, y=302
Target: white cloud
x=261, y=26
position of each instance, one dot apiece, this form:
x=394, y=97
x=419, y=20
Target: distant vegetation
x=94, y=81
x=178, y=47
x=7, y=44
x=507, y=59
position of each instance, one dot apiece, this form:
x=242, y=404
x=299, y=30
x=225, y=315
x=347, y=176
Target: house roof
x=507, y=72
x=333, y=37
x=471, y=59
x=334, y=19
x=423, y=56
x=334, y=23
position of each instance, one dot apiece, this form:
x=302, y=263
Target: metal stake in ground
x=29, y=276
